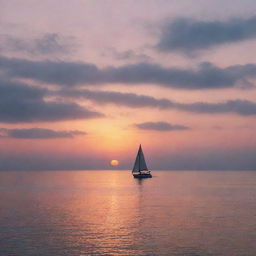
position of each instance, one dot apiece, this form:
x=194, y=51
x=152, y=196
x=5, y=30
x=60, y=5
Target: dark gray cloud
x=188, y=35
x=205, y=76
x=132, y=100
x=48, y=44
x=161, y=126
x=38, y=133
x=241, y=107
x=62, y=73
x=22, y=103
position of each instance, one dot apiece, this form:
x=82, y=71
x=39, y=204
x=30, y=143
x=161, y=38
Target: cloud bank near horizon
x=235, y=159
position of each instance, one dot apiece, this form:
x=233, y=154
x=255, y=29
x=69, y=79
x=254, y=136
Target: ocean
x=59, y=213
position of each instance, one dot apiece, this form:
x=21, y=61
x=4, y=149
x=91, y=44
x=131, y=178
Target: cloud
x=62, y=73
x=52, y=43
x=132, y=100
x=205, y=76
x=38, y=133
x=188, y=35
x=241, y=107
x=22, y=103
x=128, y=55
x=48, y=44
x=161, y=126
x=118, y=98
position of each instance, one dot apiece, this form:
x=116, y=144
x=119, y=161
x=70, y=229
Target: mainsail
x=140, y=164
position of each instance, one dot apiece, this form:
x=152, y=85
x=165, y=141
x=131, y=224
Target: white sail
x=140, y=163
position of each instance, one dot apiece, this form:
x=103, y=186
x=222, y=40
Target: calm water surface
x=110, y=213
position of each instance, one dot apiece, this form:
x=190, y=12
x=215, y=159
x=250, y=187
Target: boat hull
x=142, y=175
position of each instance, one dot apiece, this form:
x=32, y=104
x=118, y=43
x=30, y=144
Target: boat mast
x=139, y=158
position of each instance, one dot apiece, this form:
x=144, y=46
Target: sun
x=114, y=162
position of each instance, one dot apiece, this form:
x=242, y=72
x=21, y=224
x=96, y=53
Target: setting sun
x=114, y=162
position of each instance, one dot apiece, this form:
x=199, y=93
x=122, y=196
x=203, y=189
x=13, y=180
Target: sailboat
x=140, y=169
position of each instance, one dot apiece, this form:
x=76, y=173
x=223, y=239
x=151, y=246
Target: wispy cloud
x=47, y=44
x=161, y=126
x=205, y=76
x=128, y=55
x=38, y=133
x=189, y=35
x=132, y=100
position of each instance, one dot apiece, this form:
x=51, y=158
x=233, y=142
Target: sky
x=84, y=82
